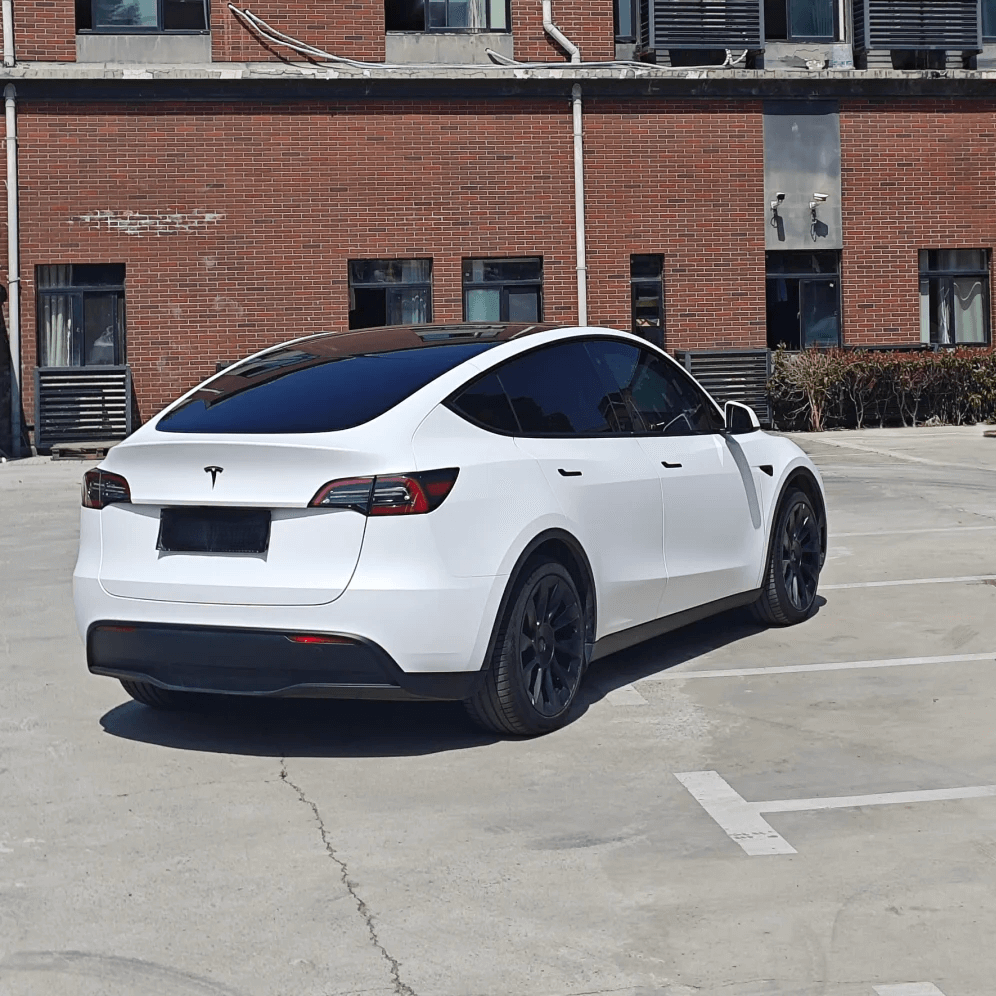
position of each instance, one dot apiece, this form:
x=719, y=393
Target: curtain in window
x=408, y=306
x=125, y=13
x=969, y=315
x=55, y=333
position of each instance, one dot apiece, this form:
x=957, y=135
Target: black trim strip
x=615, y=642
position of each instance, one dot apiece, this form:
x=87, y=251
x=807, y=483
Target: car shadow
x=668, y=651
x=301, y=727
x=355, y=728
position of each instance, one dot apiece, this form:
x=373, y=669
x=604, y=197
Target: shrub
x=821, y=389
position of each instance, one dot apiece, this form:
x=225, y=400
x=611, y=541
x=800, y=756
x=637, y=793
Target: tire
x=792, y=574
x=155, y=697
x=538, y=659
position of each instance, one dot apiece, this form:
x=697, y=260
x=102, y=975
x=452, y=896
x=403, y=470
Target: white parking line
x=892, y=584
x=745, y=672
x=741, y=820
x=915, y=532
x=627, y=695
x=909, y=989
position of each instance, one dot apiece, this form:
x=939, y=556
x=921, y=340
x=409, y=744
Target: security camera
x=779, y=196
x=820, y=198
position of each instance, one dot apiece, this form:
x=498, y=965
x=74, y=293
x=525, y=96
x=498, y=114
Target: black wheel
x=538, y=659
x=788, y=593
x=155, y=697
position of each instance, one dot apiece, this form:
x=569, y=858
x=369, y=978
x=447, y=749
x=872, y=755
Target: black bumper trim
x=256, y=662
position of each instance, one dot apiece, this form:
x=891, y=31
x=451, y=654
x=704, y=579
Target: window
x=317, y=386
x=646, y=275
x=389, y=292
x=625, y=18
x=989, y=20
x=803, y=299
x=661, y=398
x=954, y=296
x=800, y=20
x=447, y=15
x=126, y=16
x=503, y=290
x=81, y=316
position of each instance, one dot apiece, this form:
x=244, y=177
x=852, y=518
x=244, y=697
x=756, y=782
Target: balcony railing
x=703, y=24
x=918, y=25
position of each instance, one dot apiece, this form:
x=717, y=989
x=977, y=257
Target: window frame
x=949, y=276
x=79, y=294
x=352, y=285
x=660, y=327
x=989, y=15
x=450, y=401
x=834, y=37
x=621, y=37
x=125, y=29
x=448, y=29
x=810, y=276
x=502, y=285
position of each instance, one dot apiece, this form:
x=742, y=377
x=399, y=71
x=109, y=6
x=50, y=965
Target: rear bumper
x=254, y=662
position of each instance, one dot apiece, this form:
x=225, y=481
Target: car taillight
x=101, y=488
x=393, y=494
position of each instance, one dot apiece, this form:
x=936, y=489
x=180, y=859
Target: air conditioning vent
x=918, y=25
x=733, y=375
x=702, y=24
x=81, y=404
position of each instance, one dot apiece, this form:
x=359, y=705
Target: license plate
x=214, y=530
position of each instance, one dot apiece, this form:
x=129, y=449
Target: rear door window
x=297, y=390
x=556, y=391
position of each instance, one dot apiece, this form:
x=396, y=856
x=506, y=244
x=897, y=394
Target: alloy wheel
x=800, y=556
x=551, y=645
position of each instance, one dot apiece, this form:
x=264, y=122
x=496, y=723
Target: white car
x=467, y=512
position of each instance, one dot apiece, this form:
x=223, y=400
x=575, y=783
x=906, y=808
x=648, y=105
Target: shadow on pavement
x=674, y=648
x=302, y=727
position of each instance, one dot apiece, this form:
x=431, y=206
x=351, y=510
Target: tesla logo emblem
x=214, y=472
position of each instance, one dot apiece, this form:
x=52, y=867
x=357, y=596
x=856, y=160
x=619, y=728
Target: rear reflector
x=317, y=638
x=395, y=494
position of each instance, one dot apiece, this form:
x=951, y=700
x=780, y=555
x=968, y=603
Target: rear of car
x=279, y=531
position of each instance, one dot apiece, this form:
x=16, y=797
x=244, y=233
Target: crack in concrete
x=400, y=987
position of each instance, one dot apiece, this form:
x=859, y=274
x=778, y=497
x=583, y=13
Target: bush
x=821, y=389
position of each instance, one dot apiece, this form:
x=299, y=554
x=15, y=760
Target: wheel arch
x=564, y=548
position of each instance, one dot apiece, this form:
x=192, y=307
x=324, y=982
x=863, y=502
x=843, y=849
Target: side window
x=663, y=399
x=556, y=391
x=485, y=403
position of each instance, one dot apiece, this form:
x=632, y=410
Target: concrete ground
x=325, y=849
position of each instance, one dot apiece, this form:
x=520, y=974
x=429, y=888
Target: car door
x=712, y=525
x=606, y=485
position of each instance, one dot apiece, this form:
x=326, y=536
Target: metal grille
x=918, y=25
x=733, y=375
x=81, y=404
x=707, y=24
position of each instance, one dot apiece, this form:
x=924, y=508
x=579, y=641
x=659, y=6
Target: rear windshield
x=305, y=389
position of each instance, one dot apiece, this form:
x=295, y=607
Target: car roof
x=391, y=337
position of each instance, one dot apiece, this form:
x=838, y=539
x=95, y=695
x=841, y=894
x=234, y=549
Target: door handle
x=568, y=473
x=670, y=466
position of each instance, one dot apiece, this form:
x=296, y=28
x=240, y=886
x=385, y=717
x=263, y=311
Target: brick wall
x=45, y=30
x=236, y=225
x=354, y=29
x=589, y=25
x=916, y=175
x=683, y=179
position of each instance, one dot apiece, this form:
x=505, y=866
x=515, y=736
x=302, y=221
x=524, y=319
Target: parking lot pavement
x=734, y=812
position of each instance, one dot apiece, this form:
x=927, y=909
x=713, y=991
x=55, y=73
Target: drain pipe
x=582, y=267
x=8, y=33
x=13, y=262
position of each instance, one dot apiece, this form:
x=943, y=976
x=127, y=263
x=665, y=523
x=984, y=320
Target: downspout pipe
x=557, y=35
x=579, y=219
x=13, y=267
x=8, y=33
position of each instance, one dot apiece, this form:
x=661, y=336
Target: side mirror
x=740, y=418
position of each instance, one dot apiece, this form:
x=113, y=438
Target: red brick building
x=191, y=188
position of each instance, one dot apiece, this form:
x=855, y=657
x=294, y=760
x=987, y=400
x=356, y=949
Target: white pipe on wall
x=579, y=221
x=557, y=35
x=8, y=32
x=13, y=267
